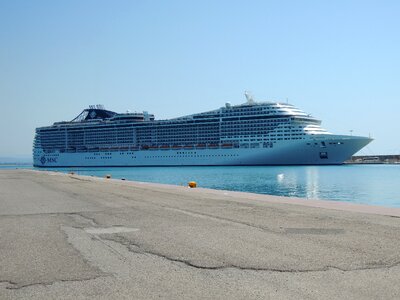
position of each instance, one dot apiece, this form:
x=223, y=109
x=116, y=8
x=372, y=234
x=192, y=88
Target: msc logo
x=43, y=160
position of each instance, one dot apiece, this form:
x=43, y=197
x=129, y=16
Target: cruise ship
x=253, y=133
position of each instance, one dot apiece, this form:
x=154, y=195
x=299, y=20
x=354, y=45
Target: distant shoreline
x=374, y=159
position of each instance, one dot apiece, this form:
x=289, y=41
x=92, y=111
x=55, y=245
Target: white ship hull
x=335, y=149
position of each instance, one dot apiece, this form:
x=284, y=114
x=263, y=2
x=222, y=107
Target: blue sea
x=365, y=184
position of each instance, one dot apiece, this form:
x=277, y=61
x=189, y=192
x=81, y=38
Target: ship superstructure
x=253, y=133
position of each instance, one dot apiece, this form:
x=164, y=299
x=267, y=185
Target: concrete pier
x=76, y=237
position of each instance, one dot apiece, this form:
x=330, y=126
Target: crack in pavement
x=16, y=286
x=84, y=216
x=222, y=219
x=8, y=282
x=198, y=214
x=137, y=248
x=282, y=231
x=140, y=250
x=80, y=178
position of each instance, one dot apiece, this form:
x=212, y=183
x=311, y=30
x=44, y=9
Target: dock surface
x=77, y=237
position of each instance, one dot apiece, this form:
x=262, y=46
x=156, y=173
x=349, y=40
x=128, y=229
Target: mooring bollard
x=192, y=184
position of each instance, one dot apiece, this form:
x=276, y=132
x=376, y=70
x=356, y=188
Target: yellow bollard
x=192, y=184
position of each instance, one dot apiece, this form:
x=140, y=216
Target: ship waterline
x=292, y=154
x=265, y=133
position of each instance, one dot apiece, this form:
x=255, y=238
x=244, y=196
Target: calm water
x=367, y=184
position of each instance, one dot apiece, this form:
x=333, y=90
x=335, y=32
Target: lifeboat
x=227, y=145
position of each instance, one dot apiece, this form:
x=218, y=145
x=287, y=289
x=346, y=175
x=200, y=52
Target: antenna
x=249, y=97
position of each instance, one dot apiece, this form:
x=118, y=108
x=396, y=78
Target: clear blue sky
x=338, y=60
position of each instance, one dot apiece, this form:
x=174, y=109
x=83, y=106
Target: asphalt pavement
x=77, y=237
